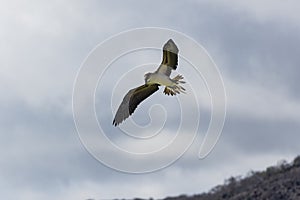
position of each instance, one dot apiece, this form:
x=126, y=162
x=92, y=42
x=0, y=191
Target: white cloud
x=44, y=45
x=261, y=102
x=266, y=10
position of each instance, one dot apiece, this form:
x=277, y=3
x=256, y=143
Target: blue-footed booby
x=161, y=77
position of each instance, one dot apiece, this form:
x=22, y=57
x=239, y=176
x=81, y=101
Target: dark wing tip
x=170, y=46
x=170, y=40
x=116, y=122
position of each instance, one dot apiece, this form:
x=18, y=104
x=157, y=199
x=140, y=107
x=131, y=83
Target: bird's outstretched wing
x=170, y=58
x=131, y=100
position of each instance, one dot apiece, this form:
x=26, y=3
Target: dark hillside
x=281, y=182
x=275, y=183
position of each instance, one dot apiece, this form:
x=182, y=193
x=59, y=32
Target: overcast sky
x=255, y=44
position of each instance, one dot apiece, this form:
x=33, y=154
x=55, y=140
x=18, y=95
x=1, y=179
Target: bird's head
x=147, y=77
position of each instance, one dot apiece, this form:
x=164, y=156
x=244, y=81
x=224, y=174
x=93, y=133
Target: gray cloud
x=255, y=45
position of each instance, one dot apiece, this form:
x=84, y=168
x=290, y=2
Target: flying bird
x=161, y=77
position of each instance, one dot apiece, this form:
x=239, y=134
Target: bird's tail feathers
x=178, y=79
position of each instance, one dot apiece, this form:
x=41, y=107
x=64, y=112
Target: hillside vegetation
x=281, y=182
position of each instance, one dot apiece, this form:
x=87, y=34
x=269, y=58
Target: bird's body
x=161, y=77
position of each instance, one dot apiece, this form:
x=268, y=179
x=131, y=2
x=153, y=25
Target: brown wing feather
x=170, y=58
x=131, y=100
